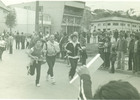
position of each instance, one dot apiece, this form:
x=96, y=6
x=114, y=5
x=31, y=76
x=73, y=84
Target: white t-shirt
x=2, y=43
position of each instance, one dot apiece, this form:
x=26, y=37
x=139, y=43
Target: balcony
x=73, y=11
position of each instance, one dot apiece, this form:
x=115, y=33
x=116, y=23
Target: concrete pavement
x=16, y=84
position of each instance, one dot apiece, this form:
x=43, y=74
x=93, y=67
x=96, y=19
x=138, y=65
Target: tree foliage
x=11, y=19
x=102, y=13
x=86, y=20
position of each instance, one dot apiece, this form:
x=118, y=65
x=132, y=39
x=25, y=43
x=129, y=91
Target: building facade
x=3, y=13
x=112, y=23
x=65, y=16
x=25, y=21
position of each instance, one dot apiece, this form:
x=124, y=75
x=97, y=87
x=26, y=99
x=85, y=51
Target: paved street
x=16, y=84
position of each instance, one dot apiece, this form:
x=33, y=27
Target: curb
x=122, y=72
x=116, y=70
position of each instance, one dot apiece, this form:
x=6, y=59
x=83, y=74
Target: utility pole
x=37, y=18
x=42, y=20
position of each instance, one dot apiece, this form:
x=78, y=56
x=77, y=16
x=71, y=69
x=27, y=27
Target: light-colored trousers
x=121, y=60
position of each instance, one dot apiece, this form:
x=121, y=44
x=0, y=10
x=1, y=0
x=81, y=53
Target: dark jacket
x=108, y=47
x=85, y=87
x=82, y=41
x=138, y=48
x=113, y=56
x=17, y=38
x=122, y=45
x=74, y=50
x=131, y=46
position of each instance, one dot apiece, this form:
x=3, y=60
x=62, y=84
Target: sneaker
x=38, y=85
x=53, y=81
x=47, y=77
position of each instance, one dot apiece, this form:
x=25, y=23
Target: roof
x=2, y=5
x=116, y=19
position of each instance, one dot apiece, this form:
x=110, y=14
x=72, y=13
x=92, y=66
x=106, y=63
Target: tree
x=130, y=12
x=86, y=19
x=11, y=20
x=102, y=13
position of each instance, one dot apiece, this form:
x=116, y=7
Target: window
x=99, y=29
x=40, y=8
x=108, y=24
x=122, y=24
x=108, y=29
x=128, y=25
x=104, y=24
x=133, y=25
x=115, y=24
x=27, y=7
x=73, y=11
x=99, y=24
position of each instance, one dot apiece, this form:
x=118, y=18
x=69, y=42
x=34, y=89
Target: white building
x=25, y=21
x=3, y=13
x=112, y=23
x=66, y=16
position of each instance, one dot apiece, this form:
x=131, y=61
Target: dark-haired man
x=114, y=90
x=131, y=52
x=122, y=49
x=18, y=39
x=72, y=48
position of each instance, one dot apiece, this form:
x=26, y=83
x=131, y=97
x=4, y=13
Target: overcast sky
x=96, y=4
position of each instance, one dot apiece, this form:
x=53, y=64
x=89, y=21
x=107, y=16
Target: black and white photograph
x=70, y=49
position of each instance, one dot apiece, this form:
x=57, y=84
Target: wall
x=55, y=10
x=25, y=20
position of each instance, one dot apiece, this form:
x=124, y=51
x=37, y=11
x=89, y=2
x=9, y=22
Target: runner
x=36, y=55
x=51, y=48
x=73, y=48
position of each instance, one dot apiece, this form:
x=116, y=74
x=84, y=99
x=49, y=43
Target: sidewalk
x=125, y=71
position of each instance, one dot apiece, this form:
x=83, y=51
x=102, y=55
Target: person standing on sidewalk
x=51, y=48
x=83, y=53
x=2, y=47
x=88, y=37
x=131, y=52
x=22, y=41
x=116, y=34
x=18, y=39
x=136, y=67
x=11, y=40
x=122, y=49
x=28, y=39
x=73, y=48
x=113, y=57
x=107, y=48
x=36, y=55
